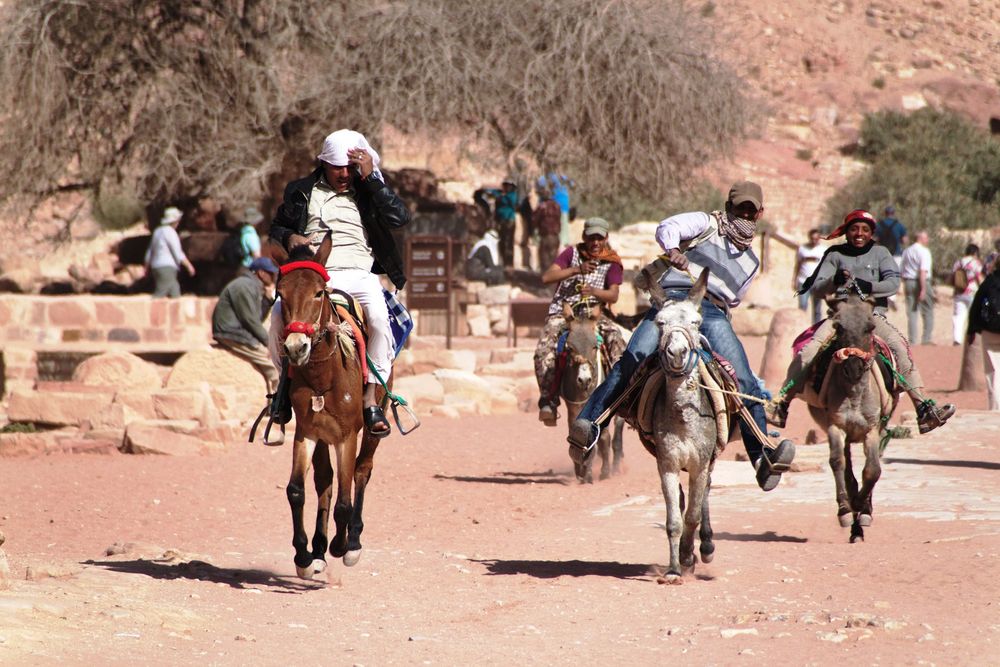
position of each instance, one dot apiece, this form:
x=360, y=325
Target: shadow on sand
x=768, y=536
x=550, y=569
x=985, y=465
x=547, y=477
x=202, y=571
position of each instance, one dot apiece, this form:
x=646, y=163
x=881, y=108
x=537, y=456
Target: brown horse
x=856, y=411
x=584, y=371
x=326, y=396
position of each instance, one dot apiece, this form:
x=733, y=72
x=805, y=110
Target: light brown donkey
x=326, y=395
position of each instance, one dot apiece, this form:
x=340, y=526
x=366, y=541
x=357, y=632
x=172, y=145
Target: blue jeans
x=715, y=326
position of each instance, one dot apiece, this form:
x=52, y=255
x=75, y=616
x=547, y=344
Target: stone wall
x=37, y=321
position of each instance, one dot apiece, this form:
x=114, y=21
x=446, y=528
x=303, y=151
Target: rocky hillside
x=820, y=65
x=817, y=66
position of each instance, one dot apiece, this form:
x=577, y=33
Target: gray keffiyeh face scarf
x=739, y=231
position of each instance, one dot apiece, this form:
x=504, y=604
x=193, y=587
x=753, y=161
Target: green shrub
x=939, y=170
x=114, y=209
x=18, y=427
x=878, y=82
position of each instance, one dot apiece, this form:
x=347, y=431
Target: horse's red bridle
x=844, y=353
x=306, y=328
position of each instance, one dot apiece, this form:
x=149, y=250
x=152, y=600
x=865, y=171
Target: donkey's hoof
x=865, y=520
x=351, y=558
x=846, y=518
x=707, y=553
x=670, y=579
x=311, y=571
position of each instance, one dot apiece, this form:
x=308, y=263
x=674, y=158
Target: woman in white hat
x=164, y=257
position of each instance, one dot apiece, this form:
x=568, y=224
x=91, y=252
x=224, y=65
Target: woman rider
x=873, y=271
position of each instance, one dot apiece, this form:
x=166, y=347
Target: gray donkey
x=857, y=408
x=584, y=371
x=685, y=430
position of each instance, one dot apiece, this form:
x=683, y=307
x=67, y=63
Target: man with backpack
x=984, y=318
x=966, y=276
x=891, y=233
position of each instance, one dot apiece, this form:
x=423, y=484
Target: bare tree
x=182, y=98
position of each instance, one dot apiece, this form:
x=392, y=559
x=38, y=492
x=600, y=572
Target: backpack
x=231, y=250
x=959, y=279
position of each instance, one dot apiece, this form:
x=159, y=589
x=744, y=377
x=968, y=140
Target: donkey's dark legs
x=323, y=480
x=705, y=533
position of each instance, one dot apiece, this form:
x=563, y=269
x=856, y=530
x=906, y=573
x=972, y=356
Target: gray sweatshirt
x=876, y=266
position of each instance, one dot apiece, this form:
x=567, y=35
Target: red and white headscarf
x=857, y=215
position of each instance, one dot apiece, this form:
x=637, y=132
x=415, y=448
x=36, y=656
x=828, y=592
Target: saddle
x=883, y=371
x=350, y=311
x=714, y=372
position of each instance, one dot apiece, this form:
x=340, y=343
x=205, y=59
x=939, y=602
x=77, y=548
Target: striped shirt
x=731, y=270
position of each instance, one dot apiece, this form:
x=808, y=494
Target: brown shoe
x=930, y=416
x=776, y=413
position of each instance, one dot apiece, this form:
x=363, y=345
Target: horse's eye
x=320, y=294
x=870, y=327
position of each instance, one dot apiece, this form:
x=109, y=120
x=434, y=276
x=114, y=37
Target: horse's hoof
x=846, y=519
x=311, y=571
x=351, y=558
x=670, y=579
x=707, y=553
x=605, y=475
x=865, y=520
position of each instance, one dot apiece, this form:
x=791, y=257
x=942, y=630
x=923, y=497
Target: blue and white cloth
x=400, y=322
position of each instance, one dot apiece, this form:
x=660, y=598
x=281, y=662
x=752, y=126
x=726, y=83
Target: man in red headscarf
x=859, y=265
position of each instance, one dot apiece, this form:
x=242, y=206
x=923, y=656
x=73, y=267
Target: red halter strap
x=300, y=327
x=304, y=327
x=305, y=264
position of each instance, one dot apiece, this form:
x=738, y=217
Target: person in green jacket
x=237, y=321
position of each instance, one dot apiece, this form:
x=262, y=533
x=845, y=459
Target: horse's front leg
x=345, y=449
x=604, y=446
x=697, y=481
x=869, y=476
x=671, y=486
x=302, y=451
x=618, y=453
x=705, y=534
x=362, y=475
x=323, y=481
x=837, y=465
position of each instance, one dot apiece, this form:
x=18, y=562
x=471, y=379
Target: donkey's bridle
x=845, y=353
x=311, y=329
x=692, y=359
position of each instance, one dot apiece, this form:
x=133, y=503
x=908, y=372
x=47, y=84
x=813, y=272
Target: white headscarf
x=490, y=241
x=336, y=145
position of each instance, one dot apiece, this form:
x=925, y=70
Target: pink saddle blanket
x=803, y=338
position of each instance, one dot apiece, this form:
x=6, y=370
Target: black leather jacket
x=380, y=208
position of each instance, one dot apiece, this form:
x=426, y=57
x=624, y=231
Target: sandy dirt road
x=480, y=548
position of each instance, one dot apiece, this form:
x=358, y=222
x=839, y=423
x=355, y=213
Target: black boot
x=281, y=400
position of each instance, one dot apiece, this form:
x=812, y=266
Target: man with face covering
x=719, y=241
x=346, y=198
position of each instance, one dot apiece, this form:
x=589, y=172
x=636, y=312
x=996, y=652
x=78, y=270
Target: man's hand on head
x=361, y=159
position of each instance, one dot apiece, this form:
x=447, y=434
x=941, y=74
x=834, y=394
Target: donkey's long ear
x=323, y=251
x=567, y=312
x=697, y=292
x=275, y=251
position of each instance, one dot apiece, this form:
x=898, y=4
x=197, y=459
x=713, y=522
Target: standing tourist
x=918, y=288
x=164, y=256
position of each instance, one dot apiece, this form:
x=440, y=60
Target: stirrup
x=772, y=463
x=930, y=416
